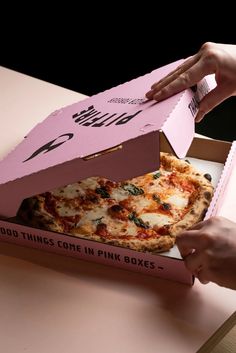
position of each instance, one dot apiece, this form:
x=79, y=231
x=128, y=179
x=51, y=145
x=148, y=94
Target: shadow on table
x=175, y=298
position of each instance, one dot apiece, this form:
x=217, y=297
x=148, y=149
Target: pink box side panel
x=221, y=189
x=150, y=264
x=180, y=128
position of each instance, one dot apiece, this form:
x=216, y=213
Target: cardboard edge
x=90, y=250
x=218, y=194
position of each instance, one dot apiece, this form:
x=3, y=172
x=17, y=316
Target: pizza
x=145, y=213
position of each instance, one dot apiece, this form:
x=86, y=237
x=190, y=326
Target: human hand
x=212, y=58
x=209, y=251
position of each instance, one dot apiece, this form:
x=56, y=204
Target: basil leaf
x=98, y=220
x=132, y=189
x=166, y=206
x=103, y=192
x=156, y=198
x=156, y=175
x=138, y=221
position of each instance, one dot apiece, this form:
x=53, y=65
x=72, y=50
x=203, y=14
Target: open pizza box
x=116, y=134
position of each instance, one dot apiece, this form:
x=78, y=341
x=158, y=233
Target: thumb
x=210, y=101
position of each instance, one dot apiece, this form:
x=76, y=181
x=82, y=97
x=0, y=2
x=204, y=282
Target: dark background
x=89, y=51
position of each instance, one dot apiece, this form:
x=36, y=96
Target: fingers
x=174, y=82
x=188, y=74
x=211, y=100
x=193, y=239
x=202, y=276
x=175, y=73
x=198, y=225
x=165, y=81
x=179, y=81
x=192, y=245
x=188, y=242
x=195, y=264
x=191, y=250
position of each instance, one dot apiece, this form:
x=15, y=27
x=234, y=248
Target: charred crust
x=207, y=195
x=208, y=176
x=116, y=208
x=203, y=214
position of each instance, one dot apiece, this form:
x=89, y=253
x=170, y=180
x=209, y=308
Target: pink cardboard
x=51, y=155
x=222, y=190
x=148, y=263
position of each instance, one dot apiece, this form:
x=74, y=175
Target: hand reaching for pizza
x=209, y=251
x=212, y=58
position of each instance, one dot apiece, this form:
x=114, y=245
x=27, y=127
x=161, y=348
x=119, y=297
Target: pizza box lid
x=114, y=134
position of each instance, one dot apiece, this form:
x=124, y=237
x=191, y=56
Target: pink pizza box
x=117, y=134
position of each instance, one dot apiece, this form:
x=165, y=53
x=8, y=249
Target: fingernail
x=149, y=94
x=154, y=85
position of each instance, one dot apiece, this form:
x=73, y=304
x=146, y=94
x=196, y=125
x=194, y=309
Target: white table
x=51, y=303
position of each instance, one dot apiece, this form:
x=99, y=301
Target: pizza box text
x=110, y=134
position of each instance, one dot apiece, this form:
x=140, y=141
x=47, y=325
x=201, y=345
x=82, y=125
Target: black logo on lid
x=51, y=145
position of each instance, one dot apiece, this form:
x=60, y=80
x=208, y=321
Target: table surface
x=52, y=303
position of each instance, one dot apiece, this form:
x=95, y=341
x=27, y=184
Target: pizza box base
x=210, y=156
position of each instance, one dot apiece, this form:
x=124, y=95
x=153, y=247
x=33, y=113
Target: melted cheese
x=162, y=172
x=178, y=201
x=66, y=211
x=89, y=183
x=119, y=228
x=156, y=219
x=72, y=191
x=92, y=216
x=115, y=227
x=139, y=203
x=119, y=194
